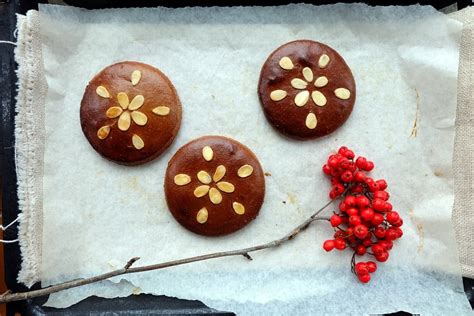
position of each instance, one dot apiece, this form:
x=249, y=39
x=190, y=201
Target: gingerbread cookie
x=130, y=113
x=214, y=186
x=306, y=89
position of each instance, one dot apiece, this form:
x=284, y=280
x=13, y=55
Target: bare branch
x=11, y=297
x=246, y=255
x=131, y=262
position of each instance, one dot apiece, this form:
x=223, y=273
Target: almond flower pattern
x=306, y=91
x=127, y=111
x=213, y=186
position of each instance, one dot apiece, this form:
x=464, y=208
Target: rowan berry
x=352, y=167
x=361, y=268
x=352, y=211
x=349, y=154
x=350, y=201
x=382, y=257
x=335, y=172
x=377, y=249
x=362, y=202
x=391, y=234
x=359, y=176
x=340, y=244
x=342, y=150
x=373, y=186
x=399, y=232
x=361, y=162
x=371, y=266
x=360, y=250
x=392, y=217
x=339, y=234
x=398, y=223
x=367, y=242
x=342, y=206
x=381, y=195
x=333, y=195
x=361, y=231
x=345, y=163
x=357, y=189
x=347, y=176
x=382, y=184
x=354, y=220
x=336, y=191
x=335, y=180
x=377, y=219
x=327, y=170
x=333, y=161
x=364, y=278
x=387, y=244
x=369, y=166
x=379, y=232
x=335, y=220
x=378, y=205
x=328, y=245
x=367, y=214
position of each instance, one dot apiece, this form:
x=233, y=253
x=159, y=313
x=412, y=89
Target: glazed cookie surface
x=214, y=186
x=130, y=113
x=306, y=89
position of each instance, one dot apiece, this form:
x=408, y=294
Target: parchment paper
x=97, y=215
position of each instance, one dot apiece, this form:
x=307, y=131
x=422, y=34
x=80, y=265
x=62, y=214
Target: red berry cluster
x=365, y=218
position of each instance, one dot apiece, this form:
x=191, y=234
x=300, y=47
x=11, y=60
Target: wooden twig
x=11, y=297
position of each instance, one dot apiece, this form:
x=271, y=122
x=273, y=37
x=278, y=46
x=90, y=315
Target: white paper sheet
x=97, y=214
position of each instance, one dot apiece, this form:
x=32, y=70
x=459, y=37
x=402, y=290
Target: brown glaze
x=159, y=131
x=284, y=115
x=222, y=219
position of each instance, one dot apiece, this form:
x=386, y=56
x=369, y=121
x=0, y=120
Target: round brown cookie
x=306, y=89
x=130, y=113
x=214, y=186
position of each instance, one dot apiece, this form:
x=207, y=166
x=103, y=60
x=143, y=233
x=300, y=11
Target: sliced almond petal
x=161, y=110
x=102, y=91
x=286, y=63
x=238, y=208
x=113, y=112
x=323, y=61
x=207, y=153
x=302, y=98
x=342, y=93
x=215, y=196
x=122, y=99
x=137, y=142
x=103, y=132
x=226, y=187
x=136, y=76
x=318, y=98
x=202, y=215
x=308, y=74
x=139, y=118
x=245, y=171
x=182, y=179
x=219, y=173
x=311, y=121
x=298, y=83
x=278, y=95
x=136, y=103
x=201, y=190
x=204, y=177
x=124, y=121
x=321, y=81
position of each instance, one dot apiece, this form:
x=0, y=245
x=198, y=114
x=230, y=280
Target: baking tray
x=136, y=304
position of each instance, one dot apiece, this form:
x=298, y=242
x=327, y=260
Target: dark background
x=136, y=305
